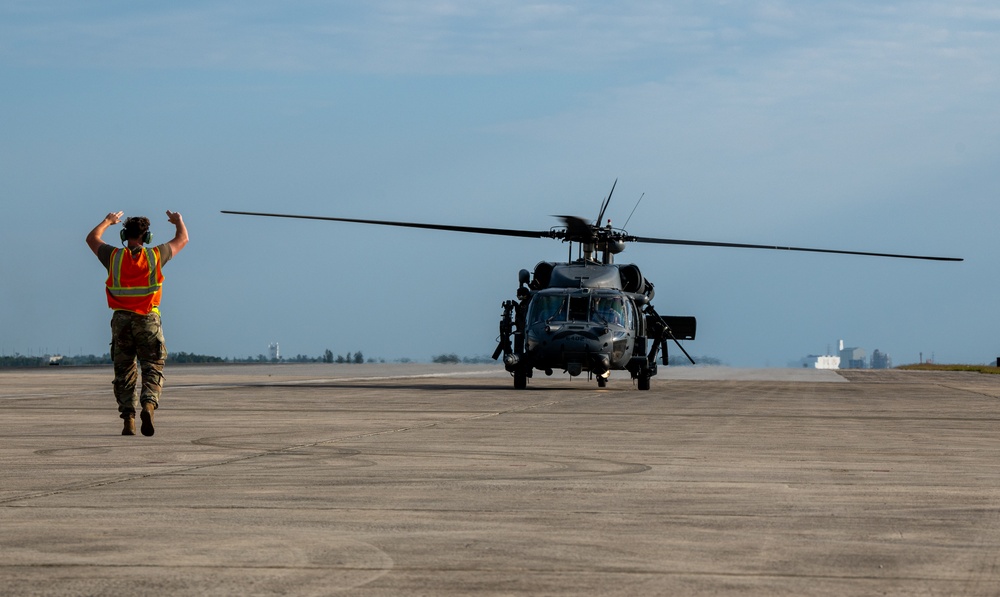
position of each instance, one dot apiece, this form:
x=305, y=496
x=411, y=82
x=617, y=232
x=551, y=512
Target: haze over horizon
x=842, y=125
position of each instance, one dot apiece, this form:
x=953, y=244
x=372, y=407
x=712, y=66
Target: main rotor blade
x=570, y=221
x=472, y=229
x=604, y=206
x=701, y=243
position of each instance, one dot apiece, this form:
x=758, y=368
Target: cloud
x=491, y=36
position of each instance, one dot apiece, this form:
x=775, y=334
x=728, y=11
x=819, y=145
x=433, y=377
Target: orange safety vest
x=135, y=282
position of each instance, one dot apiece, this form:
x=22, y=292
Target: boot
x=129, y=428
x=147, y=419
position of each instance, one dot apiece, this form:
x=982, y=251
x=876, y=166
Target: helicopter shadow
x=419, y=386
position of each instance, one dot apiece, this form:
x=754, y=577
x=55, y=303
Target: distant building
x=273, y=352
x=824, y=361
x=880, y=360
x=846, y=358
x=852, y=358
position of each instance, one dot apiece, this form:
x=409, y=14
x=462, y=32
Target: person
x=134, y=287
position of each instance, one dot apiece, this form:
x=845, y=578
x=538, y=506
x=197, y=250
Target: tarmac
x=372, y=480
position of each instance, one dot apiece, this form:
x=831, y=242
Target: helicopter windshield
x=615, y=310
x=546, y=307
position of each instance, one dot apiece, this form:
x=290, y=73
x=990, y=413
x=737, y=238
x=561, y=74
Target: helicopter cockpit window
x=611, y=310
x=546, y=308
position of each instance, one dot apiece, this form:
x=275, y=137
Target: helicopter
x=588, y=313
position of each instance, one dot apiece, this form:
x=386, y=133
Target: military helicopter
x=587, y=314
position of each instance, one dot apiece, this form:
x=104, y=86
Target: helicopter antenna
x=604, y=206
x=633, y=210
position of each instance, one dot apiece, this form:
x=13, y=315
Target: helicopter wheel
x=602, y=382
x=520, y=380
x=643, y=382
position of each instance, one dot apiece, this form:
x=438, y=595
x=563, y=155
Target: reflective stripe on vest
x=116, y=287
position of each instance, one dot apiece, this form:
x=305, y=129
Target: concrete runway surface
x=428, y=480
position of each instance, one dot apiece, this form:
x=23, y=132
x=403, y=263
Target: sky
x=836, y=124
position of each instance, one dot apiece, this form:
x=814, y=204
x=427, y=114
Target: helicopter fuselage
x=580, y=317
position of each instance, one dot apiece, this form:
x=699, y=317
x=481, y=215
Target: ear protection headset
x=146, y=238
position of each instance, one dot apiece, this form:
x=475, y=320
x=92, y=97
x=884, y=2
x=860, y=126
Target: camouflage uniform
x=135, y=336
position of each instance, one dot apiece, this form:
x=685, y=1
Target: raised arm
x=180, y=239
x=94, y=240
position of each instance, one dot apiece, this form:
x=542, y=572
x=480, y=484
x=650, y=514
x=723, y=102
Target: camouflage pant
x=137, y=337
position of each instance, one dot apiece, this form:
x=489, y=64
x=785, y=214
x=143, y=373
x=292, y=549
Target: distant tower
x=274, y=352
x=880, y=360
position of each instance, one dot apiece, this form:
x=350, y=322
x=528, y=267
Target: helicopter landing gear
x=602, y=382
x=642, y=368
x=643, y=380
x=520, y=379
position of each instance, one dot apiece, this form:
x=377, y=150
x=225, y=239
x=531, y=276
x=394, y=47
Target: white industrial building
x=821, y=361
x=846, y=358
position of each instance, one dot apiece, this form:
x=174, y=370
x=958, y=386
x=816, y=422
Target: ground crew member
x=133, y=287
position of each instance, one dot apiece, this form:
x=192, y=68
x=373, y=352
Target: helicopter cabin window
x=545, y=308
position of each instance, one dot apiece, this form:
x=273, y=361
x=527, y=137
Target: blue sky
x=848, y=125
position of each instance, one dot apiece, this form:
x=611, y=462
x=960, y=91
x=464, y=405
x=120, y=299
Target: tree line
x=19, y=360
